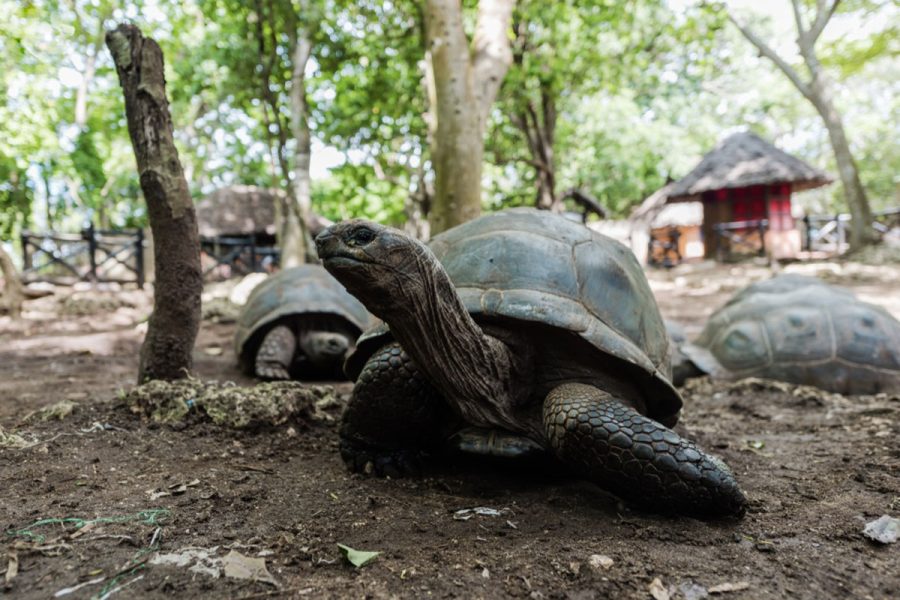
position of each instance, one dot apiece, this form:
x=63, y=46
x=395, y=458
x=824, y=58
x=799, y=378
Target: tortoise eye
x=361, y=237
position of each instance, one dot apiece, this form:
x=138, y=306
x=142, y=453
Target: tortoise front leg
x=275, y=354
x=395, y=417
x=634, y=457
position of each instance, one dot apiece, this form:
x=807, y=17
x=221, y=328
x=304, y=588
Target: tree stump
x=167, y=349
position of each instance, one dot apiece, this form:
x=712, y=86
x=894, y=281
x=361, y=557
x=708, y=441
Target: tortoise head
x=324, y=349
x=382, y=267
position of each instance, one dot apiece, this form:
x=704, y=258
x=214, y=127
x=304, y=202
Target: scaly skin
x=394, y=418
x=275, y=354
x=634, y=457
x=397, y=412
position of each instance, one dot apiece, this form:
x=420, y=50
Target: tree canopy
x=610, y=98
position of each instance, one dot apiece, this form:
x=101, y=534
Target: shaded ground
x=816, y=467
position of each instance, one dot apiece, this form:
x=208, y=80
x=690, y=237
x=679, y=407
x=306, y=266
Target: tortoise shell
x=802, y=332
x=534, y=266
x=298, y=292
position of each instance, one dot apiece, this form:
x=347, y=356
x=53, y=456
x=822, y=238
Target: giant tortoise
x=531, y=327
x=298, y=323
x=801, y=330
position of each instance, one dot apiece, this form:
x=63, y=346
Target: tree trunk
x=296, y=243
x=818, y=92
x=466, y=82
x=13, y=293
x=416, y=207
x=861, y=232
x=167, y=349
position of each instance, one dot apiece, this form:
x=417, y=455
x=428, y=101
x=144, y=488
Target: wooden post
x=167, y=349
x=139, y=257
x=91, y=234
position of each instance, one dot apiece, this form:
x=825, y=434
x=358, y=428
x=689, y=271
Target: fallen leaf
x=884, y=530
x=464, y=514
x=729, y=587
x=12, y=566
x=693, y=591
x=658, y=591
x=238, y=566
x=599, y=561
x=357, y=558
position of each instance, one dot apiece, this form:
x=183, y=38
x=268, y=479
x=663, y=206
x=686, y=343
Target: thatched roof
x=655, y=212
x=646, y=212
x=741, y=160
x=242, y=210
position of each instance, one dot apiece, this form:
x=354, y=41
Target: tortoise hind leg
x=275, y=354
x=394, y=418
x=635, y=457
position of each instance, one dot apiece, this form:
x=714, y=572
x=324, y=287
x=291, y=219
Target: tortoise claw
x=379, y=462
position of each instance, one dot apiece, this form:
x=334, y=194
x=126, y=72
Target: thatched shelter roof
x=654, y=211
x=243, y=210
x=741, y=160
x=646, y=212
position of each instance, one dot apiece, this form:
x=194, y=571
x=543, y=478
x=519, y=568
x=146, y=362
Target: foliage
x=640, y=90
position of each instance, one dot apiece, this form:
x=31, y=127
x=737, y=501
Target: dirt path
x=815, y=466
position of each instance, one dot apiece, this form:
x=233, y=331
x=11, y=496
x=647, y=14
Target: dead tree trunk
x=13, y=293
x=818, y=90
x=466, y=81
x=167, y=349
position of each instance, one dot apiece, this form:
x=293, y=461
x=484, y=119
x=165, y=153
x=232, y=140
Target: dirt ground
x=126, y=509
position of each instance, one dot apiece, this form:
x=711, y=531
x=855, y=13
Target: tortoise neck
x=473, y=371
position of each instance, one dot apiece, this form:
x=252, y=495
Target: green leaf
x=357, y=558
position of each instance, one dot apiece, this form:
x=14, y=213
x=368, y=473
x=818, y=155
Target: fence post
x=762, y=237
x=841, y=236
x=808, y=233
x=92, y=250
x=26, y=257
x=139, y=257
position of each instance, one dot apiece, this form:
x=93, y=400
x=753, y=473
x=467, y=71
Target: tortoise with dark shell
x=299, y=323
x=537, y=332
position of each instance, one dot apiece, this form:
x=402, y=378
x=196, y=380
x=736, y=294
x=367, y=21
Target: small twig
x=270, y=593
x=253, y=468
x=121, y=538
x=116, y=589
x=47, y=441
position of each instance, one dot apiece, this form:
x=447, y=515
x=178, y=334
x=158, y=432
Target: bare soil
x=98, y=496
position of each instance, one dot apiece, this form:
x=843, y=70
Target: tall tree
x=817, y=87
x=467, y=77
x=566, y=55
x=168, y=346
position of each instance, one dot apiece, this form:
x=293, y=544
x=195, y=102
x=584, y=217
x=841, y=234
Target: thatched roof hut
x=743, y=160
x=240, y=210
x=745, y=184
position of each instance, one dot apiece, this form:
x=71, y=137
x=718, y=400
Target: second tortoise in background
x=299, y=324
x=800, y=330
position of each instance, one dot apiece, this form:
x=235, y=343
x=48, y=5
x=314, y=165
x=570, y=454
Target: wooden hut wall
x=716, y=209
x=779, y=213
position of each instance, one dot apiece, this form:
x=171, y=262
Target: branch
x=798, y=19
x=491, y=51
x=824, y=12
x=766, y=51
